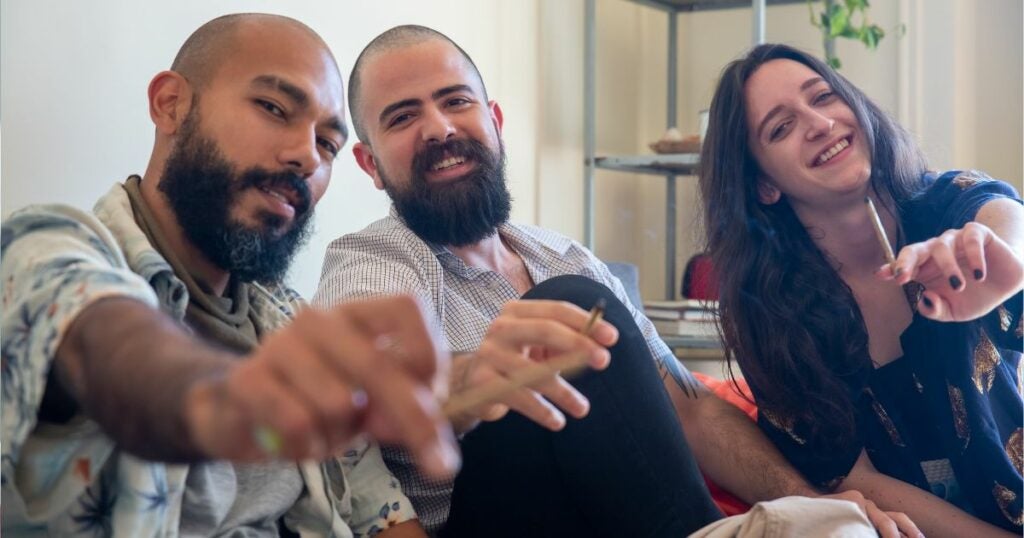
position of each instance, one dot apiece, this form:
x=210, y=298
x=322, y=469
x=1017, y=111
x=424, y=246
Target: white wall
x=73, y=92
x=73, y=108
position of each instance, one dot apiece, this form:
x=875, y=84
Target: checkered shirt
x=388, y=258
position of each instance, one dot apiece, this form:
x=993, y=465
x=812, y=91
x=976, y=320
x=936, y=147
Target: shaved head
x=211, y=44
x=394, y=39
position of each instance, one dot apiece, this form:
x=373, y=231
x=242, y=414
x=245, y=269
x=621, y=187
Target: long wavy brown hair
x=786, y=317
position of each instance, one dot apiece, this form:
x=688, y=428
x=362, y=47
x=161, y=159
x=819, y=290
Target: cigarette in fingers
x=876, y=221
x=501, y=387
x=596, y=314
x=566, y=365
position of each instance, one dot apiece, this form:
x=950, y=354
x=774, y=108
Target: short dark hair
x=395, y=38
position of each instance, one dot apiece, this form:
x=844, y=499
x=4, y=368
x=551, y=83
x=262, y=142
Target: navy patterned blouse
x=947, y=416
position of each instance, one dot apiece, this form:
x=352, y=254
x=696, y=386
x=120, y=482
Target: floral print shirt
x=70, y=479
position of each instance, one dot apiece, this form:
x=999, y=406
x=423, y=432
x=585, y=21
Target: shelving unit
x=670, y=166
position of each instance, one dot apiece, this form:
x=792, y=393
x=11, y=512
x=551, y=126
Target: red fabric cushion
x=728, y=503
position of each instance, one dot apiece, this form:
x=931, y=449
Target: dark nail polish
x=927, y=302
x=978, y=274
x=898, y=271
x=955, y=282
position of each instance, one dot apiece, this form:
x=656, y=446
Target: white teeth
x=449, y=162
x=277, y=195
x=831, y=152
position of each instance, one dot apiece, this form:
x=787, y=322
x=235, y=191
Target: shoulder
x=386, y=257
x=386, y=238
x=953, y=198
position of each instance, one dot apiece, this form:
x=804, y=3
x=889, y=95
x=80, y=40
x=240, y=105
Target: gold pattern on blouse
x=1005, y=498
x=963, y=429
x=917, y=384
x=1005, y=318
x=1015, y=449
x=786, y=424
x=883, y=417
x=1020, y=376
x=986, y=359
x=969, y=179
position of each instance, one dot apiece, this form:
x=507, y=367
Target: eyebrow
x=778, y=108
x=447, y=90
x=300, y=97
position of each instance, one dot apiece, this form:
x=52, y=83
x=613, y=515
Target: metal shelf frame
x=668, y=166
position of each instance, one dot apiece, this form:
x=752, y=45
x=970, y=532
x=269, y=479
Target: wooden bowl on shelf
x=689, y=144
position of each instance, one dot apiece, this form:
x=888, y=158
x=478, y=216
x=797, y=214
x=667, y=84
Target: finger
x=944, y=257
x=523, y=400
x=906, y=525
x=335, y=407
x=908, y=261
x=565, y=313
x=933, y=306
x=531, y=405
x=404, y=402
x=269, y=405
x=519, y=333
x=404, y=319
x=885, y=272
x=554, y=388
x=972, y=243
x=885, y=526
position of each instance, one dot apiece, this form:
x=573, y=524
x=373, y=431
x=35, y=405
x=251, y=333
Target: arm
x=164, y=395
x=405, y=529
x=99, y=363
x=728, y=446
x=935, y=517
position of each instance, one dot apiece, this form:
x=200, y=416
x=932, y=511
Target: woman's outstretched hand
x=966, y=272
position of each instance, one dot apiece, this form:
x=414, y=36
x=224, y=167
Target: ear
x=767, y=194
x=170, y=99
x=497, y=116
x=364, y=157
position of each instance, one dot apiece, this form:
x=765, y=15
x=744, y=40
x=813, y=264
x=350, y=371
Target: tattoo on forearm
x=669, y=366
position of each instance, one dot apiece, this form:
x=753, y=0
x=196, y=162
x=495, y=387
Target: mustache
x=424, y=161
x=261, y=178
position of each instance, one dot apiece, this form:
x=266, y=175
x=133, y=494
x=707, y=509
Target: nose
x=299, y=152
x=437, y=126
x=819, y=125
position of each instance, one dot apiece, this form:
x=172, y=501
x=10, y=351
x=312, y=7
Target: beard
x=202, y=186
x=459, y=212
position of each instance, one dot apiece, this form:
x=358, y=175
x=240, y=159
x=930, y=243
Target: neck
x=847, y=235
x=198, y=266
x=489, y=253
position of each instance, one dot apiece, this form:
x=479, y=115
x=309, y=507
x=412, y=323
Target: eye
x=399, y=119
x=458, y=101
x=329, y=146
x=779, y=130
x=823, y=97
x=271, y=108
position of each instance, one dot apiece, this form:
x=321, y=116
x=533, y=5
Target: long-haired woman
x=901, y=380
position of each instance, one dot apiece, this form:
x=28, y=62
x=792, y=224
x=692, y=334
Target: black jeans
x=623, y=470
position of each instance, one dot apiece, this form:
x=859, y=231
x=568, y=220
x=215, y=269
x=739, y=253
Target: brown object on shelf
x=689, y=144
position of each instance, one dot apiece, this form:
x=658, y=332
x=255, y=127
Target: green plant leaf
x=856, y=5
x=839, y=17
x=835, y=63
